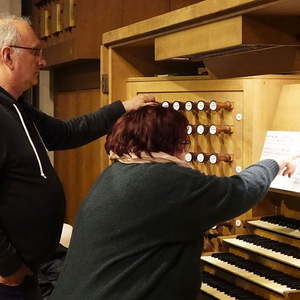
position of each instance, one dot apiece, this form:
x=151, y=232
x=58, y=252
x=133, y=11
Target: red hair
x=151, y=128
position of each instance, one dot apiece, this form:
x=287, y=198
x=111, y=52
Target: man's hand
x=139, y=101
x=17, y=278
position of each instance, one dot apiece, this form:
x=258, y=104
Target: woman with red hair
x=139, y=234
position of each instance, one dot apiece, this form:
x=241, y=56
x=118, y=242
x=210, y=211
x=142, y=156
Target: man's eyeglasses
x=35, y=51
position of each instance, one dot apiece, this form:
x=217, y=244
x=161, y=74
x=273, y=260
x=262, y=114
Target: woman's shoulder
x=166, y=171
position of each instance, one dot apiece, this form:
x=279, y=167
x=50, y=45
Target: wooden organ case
x=256, y=255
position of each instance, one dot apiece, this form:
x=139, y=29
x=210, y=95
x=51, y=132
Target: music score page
x=279, y=145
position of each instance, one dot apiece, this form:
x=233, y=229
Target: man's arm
x=58, y=134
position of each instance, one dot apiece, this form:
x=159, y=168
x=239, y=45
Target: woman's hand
x=288, y=166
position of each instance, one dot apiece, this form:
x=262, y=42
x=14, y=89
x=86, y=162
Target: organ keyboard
x=223, y=290
x=215, y=292
x=276, y=281
x=267, y=247
x=279, y=224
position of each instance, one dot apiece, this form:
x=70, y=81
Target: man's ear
x=6, y=57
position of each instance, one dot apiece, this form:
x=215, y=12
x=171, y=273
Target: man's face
x=27, y=61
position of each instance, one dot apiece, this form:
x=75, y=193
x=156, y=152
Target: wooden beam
x=204, y=11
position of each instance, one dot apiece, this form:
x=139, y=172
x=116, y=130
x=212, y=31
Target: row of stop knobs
x=212, y=158
x=209, y=129
x=199, y=106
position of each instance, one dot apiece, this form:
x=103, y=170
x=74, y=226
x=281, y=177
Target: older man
x=31, y=195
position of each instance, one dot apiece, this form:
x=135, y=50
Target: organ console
x=257, y=254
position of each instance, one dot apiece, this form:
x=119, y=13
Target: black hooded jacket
x=31, y=195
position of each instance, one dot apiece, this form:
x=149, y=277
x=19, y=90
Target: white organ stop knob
x=189, y=105
x=202, y=105
x=201, y=157
x=165, y=104
x=188, y=157
x=189, y=129
x=213, y=159
x=213, y=129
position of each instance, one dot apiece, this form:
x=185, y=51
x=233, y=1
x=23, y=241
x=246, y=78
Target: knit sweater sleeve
x=234, y=195
x=66, y=134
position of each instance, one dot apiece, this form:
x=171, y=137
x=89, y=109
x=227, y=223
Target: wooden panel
x=242, y=34
x=77, y=168
x=176, y=4
x=134, y=11
x=95, y=17
x=119, y=70
x=287, y=114
x=81, y=75
x=104, y=162
x=200, y=39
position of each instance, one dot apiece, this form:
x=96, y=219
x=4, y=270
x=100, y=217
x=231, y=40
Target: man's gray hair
x=9, y=34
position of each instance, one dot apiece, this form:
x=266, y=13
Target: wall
x=11, y=7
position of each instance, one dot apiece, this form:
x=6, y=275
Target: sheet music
x=280, y=145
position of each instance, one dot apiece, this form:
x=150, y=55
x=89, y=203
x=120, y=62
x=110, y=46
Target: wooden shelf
x=247, y=33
